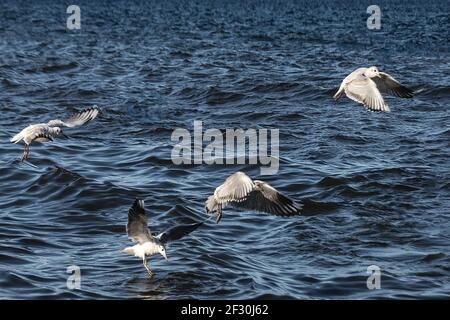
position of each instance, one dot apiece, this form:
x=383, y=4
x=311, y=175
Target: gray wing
x=389, y=85
x=77, y=119
x=365, y=91
x=137, y=228
x=178, y=232
x=267, y=199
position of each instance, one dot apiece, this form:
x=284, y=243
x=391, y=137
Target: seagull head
x=372, y=72
x=57, y=131
x=162, y=251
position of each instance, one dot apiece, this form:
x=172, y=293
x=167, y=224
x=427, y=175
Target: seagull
x=43, y=132
x=241, y=192
x=365, y=84
x=148, y=244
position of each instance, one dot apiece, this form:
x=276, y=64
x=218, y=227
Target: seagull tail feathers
x=338, y=95
x=17, y=138
x=128, y=250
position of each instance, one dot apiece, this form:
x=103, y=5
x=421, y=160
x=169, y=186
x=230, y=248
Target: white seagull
x=364, y=85
x=42, y=132
x=240, y=191
x=148, y=244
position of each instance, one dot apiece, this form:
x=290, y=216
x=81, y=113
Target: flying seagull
x=148, y=244
x=240, y=191
x=43, y=132
x=365, y=84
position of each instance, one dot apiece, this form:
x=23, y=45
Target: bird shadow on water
x=143, y=287
x=39, y=163
x=162, y=286
x=25, y=162
x=17, y=162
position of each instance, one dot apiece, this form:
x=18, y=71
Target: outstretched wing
x=388, y=84
x=178, y=232
x=137, y=228
x=267, y=199
x=77, y=119
x=365, y=91
x=235, y=188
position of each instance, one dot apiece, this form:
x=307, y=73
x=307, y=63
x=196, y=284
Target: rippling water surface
x=375, y=187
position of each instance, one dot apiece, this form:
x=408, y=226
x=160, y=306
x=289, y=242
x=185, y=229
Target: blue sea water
x=375, y=186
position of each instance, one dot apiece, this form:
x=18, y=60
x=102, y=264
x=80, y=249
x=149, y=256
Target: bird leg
x=150, y=273
x=26, y=152
x=219, y=213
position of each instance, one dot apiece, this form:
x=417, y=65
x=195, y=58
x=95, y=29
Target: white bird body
x=143, y=250
x=147, y=244
x=31, y=133
x=364, y=85
x=43, y=132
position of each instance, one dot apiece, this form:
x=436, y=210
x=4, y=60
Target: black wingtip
x=194, y=225
x=179, y=232
x=404, y=92
x=198, y=224
x=137, y=207
x=337, y=96
x=139, y=202
x=94, y=107
x=77, y=113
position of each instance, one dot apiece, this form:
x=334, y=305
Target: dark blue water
x=375, y=187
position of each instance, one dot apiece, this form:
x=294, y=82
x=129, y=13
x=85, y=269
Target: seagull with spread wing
x=242, y=192
x=365, y=84
x=148, y=244
x=43, y=132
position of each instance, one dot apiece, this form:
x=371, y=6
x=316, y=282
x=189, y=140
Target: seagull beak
x=165, y=257
x=64, y=135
